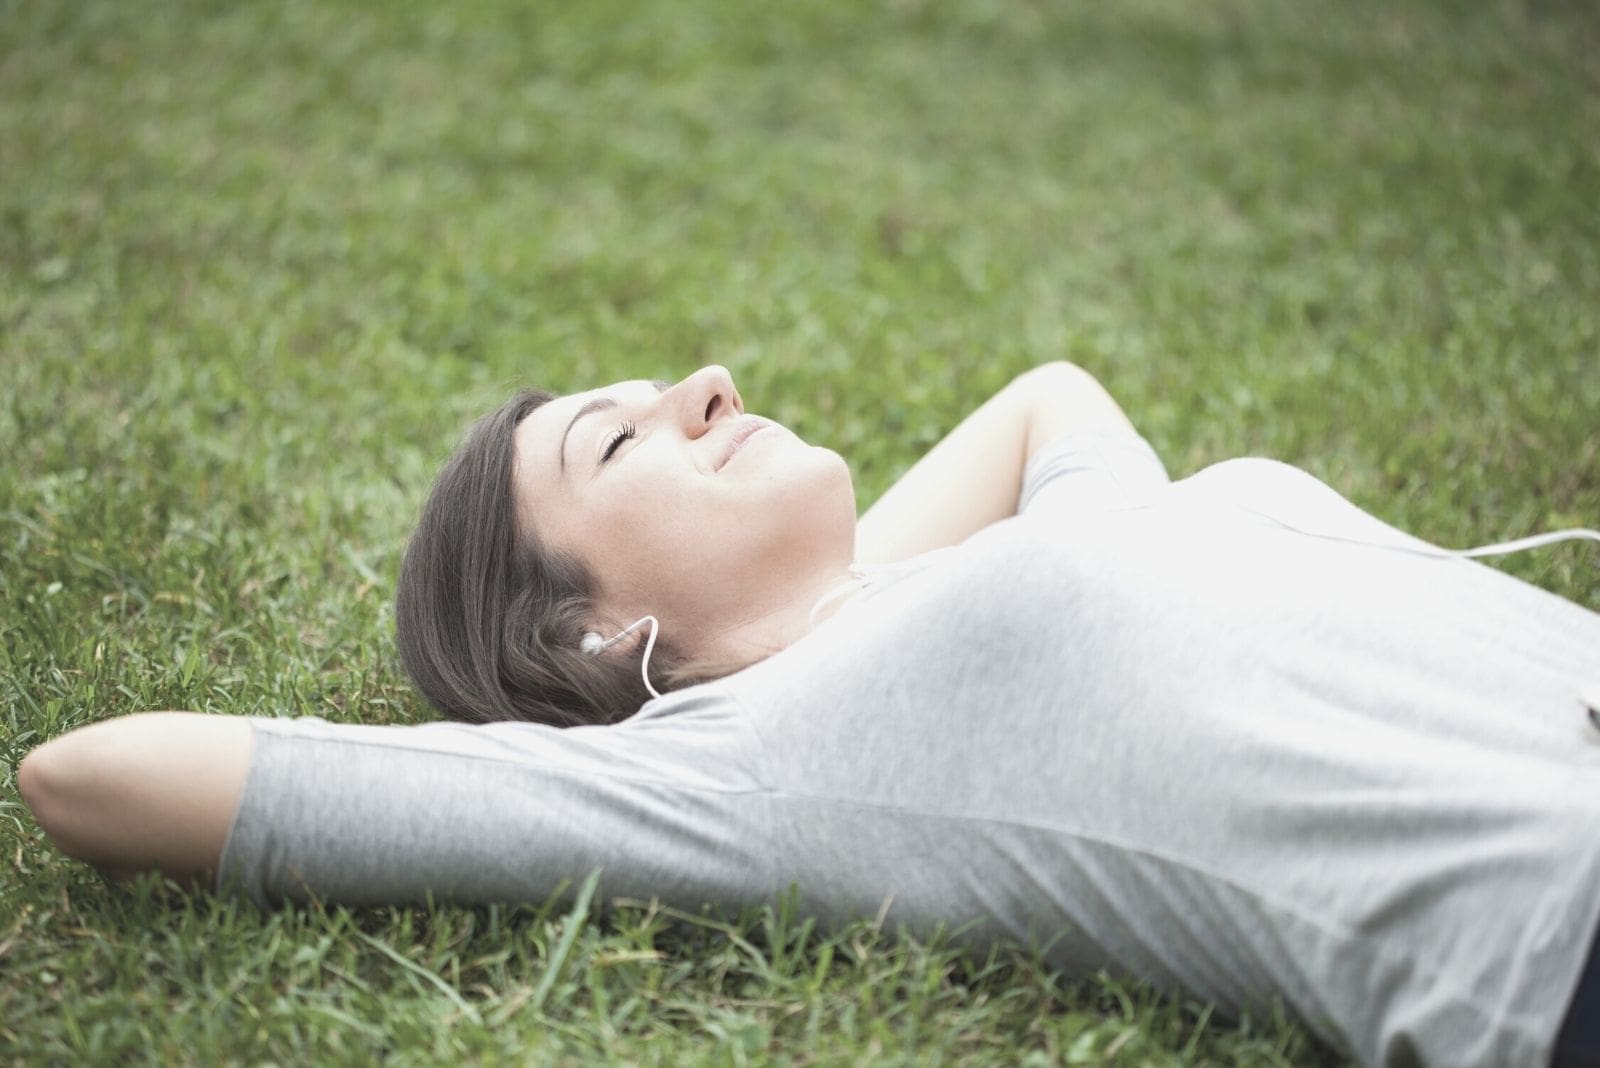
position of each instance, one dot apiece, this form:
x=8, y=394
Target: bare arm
x=973, y=476
x=153, y=790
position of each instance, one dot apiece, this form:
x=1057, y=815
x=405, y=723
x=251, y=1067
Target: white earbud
x=593, y=644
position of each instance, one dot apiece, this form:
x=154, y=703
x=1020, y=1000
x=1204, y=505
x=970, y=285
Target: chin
x=812, y=499
x=831, y=472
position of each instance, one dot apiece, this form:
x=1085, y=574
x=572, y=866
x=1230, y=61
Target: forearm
x=969, y=479
x=973, y=476
x=155, y=790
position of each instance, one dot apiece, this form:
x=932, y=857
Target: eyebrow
x=596, y=405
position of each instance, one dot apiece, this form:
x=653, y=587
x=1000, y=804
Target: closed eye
x=615, y=441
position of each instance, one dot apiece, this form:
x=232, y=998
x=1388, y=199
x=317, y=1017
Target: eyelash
x=628, y=430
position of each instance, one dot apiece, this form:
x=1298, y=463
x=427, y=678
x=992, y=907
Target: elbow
x=1054, y=371
x=1061, y=397
x=39, y=783
x=50, y=779
x=30, y=781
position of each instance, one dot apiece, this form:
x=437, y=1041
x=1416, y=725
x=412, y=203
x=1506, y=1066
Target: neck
x=762, y=629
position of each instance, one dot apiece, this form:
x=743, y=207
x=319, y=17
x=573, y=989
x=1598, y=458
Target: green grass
x=261, y=262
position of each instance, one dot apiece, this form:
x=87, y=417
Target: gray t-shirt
x=1200, y=733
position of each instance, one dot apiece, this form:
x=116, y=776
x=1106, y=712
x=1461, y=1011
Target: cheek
x=633, y=514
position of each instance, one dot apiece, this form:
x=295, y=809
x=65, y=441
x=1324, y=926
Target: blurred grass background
x=260, y=263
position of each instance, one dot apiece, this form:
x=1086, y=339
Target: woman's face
x=676, y=508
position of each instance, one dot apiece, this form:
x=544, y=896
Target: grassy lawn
x=260, y=263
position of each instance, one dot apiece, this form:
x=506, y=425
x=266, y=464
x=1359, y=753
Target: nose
x=710, y=396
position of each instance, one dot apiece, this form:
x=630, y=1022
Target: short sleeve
x=363, y=814
x=1091, y=470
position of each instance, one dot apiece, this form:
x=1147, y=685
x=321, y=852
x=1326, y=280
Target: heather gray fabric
x=1143, y=724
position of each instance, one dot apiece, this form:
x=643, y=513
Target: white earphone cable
x=1499, y=548
x=593, y=646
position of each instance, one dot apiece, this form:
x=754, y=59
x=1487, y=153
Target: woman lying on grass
x=1231, y=735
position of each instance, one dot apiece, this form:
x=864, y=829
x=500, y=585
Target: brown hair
x=488, y=619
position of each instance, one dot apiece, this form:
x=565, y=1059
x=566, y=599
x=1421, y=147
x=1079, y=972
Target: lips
x=749, y=426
